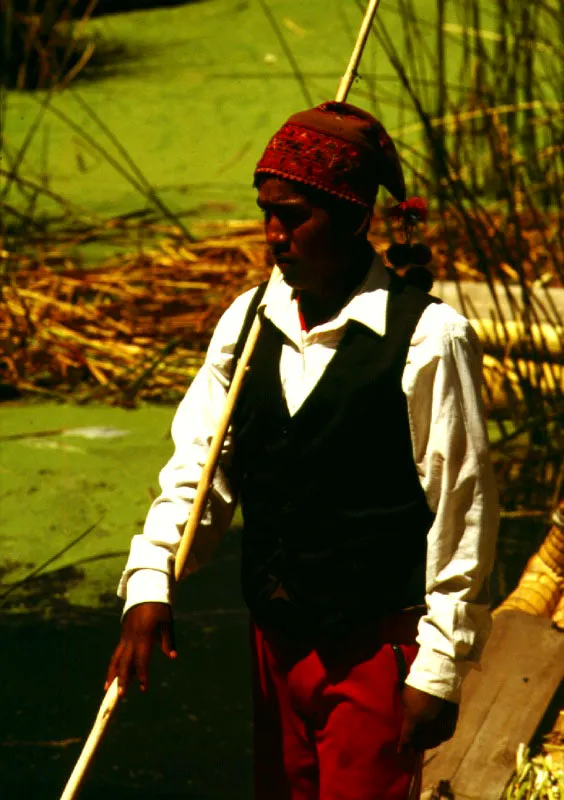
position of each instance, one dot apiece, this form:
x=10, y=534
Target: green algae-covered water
x=56, y=487
x=199, y=89
x=193, y=101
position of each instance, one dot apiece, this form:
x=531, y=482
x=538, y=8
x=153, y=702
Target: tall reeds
x=486, y=145
x=43, y=43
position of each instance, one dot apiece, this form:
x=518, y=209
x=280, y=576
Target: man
x=359, y=454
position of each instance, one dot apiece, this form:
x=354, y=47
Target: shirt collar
x=368, y=305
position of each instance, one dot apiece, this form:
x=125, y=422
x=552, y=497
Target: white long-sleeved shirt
x=441, y=381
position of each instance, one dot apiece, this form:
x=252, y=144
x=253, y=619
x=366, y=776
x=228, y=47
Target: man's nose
x=276, y=233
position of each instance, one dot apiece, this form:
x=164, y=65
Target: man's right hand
x=143, y=626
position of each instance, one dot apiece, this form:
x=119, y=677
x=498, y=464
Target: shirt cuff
x=437, y=674
x=145, y=586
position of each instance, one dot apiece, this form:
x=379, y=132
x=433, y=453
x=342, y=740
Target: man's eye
x=292, y=217
x=288, y=217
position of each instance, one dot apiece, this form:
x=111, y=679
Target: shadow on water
x=189, y=737
x=109, y=59
x=31, y=594
x=43, y=57
x=102, y=6
x=121, y=6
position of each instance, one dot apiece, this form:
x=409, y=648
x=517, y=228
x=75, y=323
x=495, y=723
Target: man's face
x=302, y=237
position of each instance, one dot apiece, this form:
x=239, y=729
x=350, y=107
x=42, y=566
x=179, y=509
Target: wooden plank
x=502, y=705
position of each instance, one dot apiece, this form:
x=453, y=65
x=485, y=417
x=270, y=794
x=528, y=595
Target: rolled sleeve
x=451, y=637
x=145, y=586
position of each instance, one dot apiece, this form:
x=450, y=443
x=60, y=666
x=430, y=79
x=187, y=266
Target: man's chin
x=292, y=274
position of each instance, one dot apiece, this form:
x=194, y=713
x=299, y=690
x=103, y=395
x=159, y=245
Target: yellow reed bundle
x=506, y=377
x=540, y=590
x=537, y=594
x=551, y=551
x=516, y=338
x=558, y=616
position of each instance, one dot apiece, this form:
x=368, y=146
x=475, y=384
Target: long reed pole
x=362, y=38
x=111, y=698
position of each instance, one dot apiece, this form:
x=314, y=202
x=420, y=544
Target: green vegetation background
x=200, y=89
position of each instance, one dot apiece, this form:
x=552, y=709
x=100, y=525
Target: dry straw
x=137, y=326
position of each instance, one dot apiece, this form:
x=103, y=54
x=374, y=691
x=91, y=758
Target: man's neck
x=315, y=309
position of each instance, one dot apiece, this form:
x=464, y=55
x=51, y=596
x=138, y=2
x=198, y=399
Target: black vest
x=335, y=518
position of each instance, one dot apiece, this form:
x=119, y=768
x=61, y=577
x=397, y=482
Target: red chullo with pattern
x=337, y=148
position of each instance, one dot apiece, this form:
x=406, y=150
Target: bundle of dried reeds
x=540, y=591
x=138, y=325
x=507, y=380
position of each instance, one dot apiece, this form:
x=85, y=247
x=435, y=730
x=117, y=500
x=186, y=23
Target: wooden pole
x=350, y=74
x=77, y=776
x=216, y=445
x=110, y=700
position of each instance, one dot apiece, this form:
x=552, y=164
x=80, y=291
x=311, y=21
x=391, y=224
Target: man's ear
x=351, y=222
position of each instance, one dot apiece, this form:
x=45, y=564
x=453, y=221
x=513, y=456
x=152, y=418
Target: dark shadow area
x=121, y=6
x=8, y=392
x=102, y=6
x=189, y=737
x=107, y=60
x=41, y=50
x=31, y=593
x=549, y=719
x=518, y=540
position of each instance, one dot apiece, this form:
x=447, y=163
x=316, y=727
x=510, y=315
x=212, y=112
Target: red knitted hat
x=338, y=148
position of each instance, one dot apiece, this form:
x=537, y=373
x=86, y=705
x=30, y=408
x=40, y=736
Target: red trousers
x=328, y=716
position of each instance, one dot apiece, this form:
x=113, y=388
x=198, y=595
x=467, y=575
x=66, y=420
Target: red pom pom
x=411, y=211
x=416, y=207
